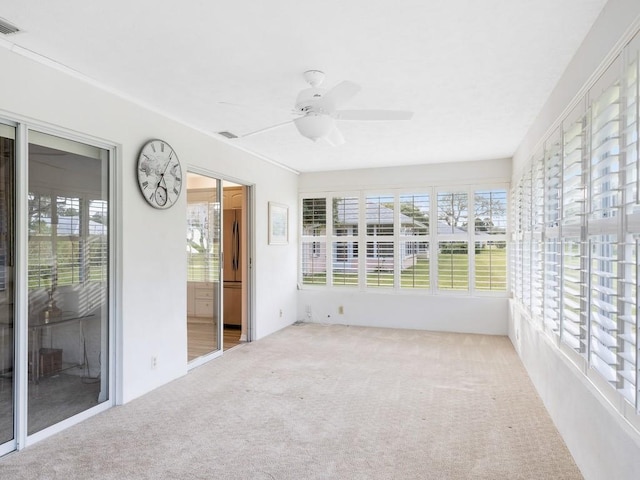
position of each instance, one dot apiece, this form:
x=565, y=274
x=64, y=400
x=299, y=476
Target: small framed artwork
x=278, y=224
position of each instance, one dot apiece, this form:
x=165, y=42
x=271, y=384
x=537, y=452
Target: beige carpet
x=323, y=402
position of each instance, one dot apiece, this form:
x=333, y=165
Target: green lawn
x=453, y=273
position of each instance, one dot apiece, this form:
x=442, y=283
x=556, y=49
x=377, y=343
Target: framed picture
x=278, y=224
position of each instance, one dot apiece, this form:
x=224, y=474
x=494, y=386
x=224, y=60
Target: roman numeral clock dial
x=159, y=174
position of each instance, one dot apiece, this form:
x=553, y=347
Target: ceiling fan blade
x=338, y=95
x=334, y=137
x=265, y=129
x=373, y=115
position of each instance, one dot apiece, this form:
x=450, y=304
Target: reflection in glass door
x=7, y=323
x=203, y=266
x=68, y=213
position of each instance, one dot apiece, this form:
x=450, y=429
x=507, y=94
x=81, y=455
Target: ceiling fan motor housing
x=308, y=101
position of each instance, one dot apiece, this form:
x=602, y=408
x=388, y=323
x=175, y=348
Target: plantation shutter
x=345, y=245
x=537, y=246
x=550, y=191
x=489, y=236
x=415, y=256
x=603, y=223
x=380, y=229
x=453, y=241
x=574, y=251
x=313, y=250
x=629, y=270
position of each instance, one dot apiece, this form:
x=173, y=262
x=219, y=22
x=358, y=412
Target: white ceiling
x=476, y=73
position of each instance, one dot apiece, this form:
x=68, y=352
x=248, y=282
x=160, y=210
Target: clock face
x=159, y=174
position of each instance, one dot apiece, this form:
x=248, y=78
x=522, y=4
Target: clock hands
x=161, y=192
x=159, y=174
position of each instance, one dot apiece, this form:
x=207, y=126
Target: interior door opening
x=234, y=230
x=217, y=280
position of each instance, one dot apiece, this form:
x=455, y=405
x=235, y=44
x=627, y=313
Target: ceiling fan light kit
x=314, y=126
x=318, y=109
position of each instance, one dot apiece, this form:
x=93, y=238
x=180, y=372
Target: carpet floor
x=323, y=402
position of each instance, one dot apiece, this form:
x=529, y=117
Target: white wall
x=444, y=313
x=616, y=19
x=603, y=444
x=151, y=310
x=438, y=312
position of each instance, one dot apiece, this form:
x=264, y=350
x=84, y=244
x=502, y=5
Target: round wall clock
x=159, y=174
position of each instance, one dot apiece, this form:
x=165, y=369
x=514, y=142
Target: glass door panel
x=203, y=266
x=68, y=210
x=7, y=321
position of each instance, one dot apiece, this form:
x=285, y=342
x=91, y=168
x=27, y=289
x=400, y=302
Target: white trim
x=22, y=289
x=21, y=328
x=580, y=95
x=135, y=101
x=66, y=423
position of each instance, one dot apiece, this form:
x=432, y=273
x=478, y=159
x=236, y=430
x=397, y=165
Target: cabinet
x=201, y=299
x=232, y=303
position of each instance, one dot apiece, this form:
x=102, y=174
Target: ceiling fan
x=317, y=110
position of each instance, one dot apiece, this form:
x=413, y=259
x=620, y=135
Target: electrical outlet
x=154, y=362
x=280, y=313
x=341, y=310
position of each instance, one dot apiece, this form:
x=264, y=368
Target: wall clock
x=159, y=174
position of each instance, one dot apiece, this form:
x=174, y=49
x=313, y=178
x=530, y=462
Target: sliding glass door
x=68, y=288
x=7, y=319
x=204, y=328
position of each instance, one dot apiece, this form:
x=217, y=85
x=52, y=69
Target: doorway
x=234, y=218
x=55, y=287
x=217, y=280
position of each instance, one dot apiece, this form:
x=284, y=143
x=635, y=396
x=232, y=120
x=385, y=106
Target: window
x=551, y=281
x=490, y=214
x=314, y=241
x=453, y=249
x=68, y=240
x=574, y=325
x=380, y=222
x=453, y=213
x=203, y=236
x=414, y=254
x=386, y=240
x=590, y=230
x=603, y=306
x=345, y=243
